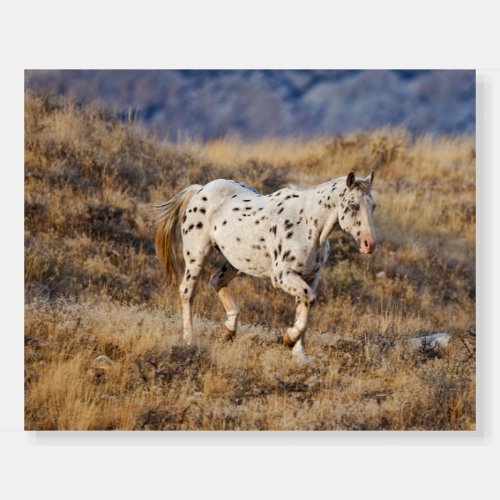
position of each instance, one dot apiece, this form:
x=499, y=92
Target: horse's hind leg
x=194, y=263
x=219, y=280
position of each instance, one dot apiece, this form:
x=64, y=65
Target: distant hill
x=255, y=103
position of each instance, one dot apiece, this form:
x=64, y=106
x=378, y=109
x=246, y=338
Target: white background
x=258, y=34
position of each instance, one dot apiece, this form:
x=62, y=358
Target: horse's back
x=220, y=189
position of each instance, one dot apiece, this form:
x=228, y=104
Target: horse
x=282, y=236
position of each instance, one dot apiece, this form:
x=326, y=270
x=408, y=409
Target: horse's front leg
x=305, y=294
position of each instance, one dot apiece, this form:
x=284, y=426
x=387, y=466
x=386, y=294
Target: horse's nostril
x=366, y=244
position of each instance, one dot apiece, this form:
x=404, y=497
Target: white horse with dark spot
x=282, y=236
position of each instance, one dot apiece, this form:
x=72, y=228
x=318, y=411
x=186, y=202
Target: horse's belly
x=249, y=258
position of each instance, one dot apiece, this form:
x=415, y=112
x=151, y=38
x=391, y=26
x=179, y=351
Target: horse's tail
x=168, y=231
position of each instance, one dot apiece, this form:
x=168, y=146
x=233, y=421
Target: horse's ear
x=367, y=181
x=351, y=180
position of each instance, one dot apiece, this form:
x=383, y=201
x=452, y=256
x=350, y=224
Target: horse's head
x=356, y=212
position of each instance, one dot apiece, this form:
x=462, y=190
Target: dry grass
x=93, y=286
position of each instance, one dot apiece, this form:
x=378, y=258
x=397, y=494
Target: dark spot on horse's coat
x=280, y=203
x=275, y=253
x=286, y=254
x=195, y=209
x=192, y=261
x=235, y=209
x=248, y=208
x=202, y=210
x=234, y=196
x=289, y=235
x=288, y=197
x=315, y=222
x=224, y=223
x=204, y=198
x=280, y=210
x=295, y=195
x=358, y=233
x=215, y=228
x=279, y=247
x=292, y=258
x=319, y=202
x=306, y=291
x=190, y=227
x=248, y=260
x=237, y=238
x=342, y=218
x=301, y=211
x=199, y=225
x=261, y=208
x=273, y=230
x=184, y=218
x=185, y=290
x=256, y=222
x=358, y=223
x=246, y=201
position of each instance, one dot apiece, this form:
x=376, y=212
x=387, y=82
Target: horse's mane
x=296, y=187
x=363, y=185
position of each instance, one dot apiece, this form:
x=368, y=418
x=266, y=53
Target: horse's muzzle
x=367, y=244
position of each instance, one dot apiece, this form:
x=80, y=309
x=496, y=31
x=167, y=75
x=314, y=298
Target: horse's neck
x=324, y=206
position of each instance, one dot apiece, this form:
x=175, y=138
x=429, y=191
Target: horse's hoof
x=227, y=334
x=287, y=340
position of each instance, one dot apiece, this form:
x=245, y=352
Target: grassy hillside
x=103, y=345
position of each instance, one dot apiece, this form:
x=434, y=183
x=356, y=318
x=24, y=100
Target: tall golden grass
x=103, y=345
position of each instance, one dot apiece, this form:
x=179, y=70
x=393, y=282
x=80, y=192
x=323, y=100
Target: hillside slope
x=94, y=287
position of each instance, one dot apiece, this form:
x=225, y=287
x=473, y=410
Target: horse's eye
x=355, y=207
x=374, y=207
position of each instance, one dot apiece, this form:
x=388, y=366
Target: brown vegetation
x=103, y=345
